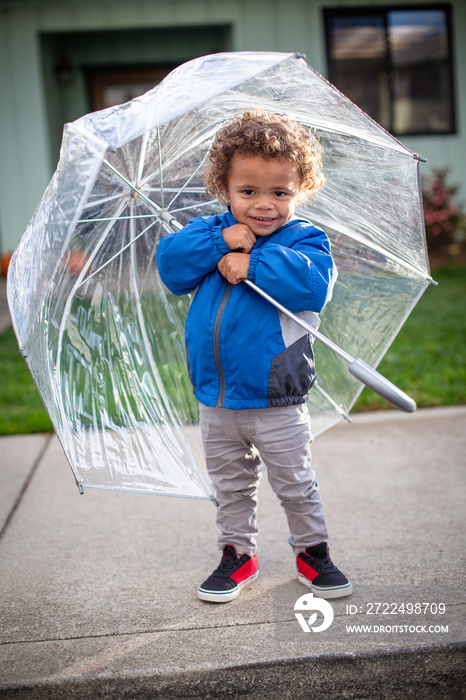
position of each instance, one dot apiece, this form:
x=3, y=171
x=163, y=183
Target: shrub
x=444, y=218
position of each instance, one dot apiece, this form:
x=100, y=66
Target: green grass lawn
x=427, y=360
x=21, y=408
x=428, y=357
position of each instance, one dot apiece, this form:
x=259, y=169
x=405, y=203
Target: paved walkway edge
x=95, y=605
x=432, y=672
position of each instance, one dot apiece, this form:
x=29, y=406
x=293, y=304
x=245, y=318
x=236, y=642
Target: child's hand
x=239, y=237
x=234, y=267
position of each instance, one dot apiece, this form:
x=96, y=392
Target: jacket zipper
x=218, y=320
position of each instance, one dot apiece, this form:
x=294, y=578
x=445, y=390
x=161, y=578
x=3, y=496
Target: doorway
x=88, y=70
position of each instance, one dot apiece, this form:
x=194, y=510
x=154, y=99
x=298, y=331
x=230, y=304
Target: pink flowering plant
x=445, y=220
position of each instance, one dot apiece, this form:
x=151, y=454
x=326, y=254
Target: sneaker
x=233, y=573
x=316, y=570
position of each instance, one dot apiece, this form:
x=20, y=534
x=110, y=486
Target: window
x=394, y=63
x=115, y=85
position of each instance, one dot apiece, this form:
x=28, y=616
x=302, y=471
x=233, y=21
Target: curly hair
x=257, y=133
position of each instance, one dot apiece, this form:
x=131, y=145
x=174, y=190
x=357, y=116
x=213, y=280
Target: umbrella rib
x=340, y=228
x=140, y=194
x=159, y=149
x=334, y=128
x=162, y=214
x=142, y=156
x=186, y=147
x=171, y=417
x=195, y=206
x=115, y=218
x=190, y=190
x=137, y=298
x=97, y=202
x=122, y=250
x=332, y=402
x=187, y=181
x=149, y=264
x=69, y=301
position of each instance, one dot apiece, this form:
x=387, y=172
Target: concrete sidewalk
x=98, y=592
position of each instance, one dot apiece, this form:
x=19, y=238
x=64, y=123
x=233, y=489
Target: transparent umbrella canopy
x=104, y=338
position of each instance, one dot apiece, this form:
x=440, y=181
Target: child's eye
x=280, y=193
x=248, y=191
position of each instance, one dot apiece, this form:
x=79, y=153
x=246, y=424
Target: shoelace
x=228, y=565
x=322, y=564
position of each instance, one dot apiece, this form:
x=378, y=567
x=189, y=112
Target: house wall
x=34, y=32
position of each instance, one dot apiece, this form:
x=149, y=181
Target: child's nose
x=264, y=203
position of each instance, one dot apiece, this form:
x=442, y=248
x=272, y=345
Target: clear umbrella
x=102, y=335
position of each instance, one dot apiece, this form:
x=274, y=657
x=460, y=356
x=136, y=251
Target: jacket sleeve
x=184, y=258
x=300, y=277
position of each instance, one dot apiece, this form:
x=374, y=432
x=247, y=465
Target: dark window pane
x=359, y=67
x=422, y=100
x=395, y=64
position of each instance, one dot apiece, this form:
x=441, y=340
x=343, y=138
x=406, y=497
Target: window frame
x=383, y=11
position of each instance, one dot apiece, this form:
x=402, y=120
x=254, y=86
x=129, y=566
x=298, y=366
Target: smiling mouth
x=263, y=219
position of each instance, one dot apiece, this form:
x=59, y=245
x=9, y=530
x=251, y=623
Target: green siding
x=33, y=107
x=26, y=164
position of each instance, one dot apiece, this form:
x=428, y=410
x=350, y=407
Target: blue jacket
x=242, y=352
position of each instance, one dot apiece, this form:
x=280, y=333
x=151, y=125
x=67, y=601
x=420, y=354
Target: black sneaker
x=316, y=570
x=233, y=573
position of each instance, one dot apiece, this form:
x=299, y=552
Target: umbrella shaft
x=359, y=369
x=312, y=331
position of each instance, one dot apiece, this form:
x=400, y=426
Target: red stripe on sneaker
x=306, y=570
x=248, y=569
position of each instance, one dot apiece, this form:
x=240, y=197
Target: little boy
x=250, y=365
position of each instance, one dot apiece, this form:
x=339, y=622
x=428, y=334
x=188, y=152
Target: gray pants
x=234, y=442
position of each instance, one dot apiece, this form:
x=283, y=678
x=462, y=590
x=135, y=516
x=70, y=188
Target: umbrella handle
x=378, y=383
x=358, y=368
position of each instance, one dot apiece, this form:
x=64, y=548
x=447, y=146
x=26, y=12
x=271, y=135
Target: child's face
x=262, y=192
